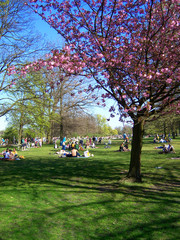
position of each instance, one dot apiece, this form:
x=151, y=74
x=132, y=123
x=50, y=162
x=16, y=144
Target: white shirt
x=7, y=155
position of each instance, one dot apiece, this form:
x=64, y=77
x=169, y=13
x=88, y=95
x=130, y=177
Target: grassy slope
x=46, y=197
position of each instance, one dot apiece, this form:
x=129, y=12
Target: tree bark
x=165, y=127
x=20, y=134
x=136, y=146
x=61, y=130
x=61, y=133
x=48, y=135
x=20, y=130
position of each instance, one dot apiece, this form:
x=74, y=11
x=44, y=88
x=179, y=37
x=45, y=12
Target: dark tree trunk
x=61, y=128
x=20, y=130
x=165, y=127
x=61, y=111
x=173, y=135
x=136, y=146
x=173, y=130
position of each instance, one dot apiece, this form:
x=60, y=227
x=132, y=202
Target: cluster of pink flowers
x=131, y=50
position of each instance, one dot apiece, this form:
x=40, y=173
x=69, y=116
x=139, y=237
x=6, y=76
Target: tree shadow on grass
x=45, y=168
x=87, y=176
x=117, y=225
x=87, y=171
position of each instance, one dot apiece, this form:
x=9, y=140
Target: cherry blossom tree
x=129, y=47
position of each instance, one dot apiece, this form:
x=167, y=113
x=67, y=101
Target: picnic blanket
x=73, y=157
x=9, y=159
x=86, y=154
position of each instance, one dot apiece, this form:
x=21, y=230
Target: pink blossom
x=169, y=80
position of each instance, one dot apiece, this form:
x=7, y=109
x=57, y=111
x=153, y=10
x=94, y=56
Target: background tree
x=103, y=127
x=21, y=113
x=18, y=42
x=125, y=129
x=68, y=97
x=49, y=105
x=114, y=132
x=10, y=133
x=131, y=48
x=167, y=124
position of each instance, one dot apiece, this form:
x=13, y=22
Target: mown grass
x=46, y=197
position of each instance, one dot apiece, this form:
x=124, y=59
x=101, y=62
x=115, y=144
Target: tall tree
x=18, y=42
x=26, y=96
x=103, y=128
x=130, y=48
x=67, y=97
x=51, y=99
x=166, y=124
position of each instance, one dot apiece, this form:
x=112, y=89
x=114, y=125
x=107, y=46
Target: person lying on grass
x=167, y=149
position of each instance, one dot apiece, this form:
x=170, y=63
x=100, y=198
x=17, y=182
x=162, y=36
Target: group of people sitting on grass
x=124, y=146
x=72, y=149
x=9, y=154
x=77, y=144
x=164, y=139
x=72, y=153
x=166, y=148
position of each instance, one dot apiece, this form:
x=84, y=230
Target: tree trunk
x=173, y=135
x=48, y=136
x=20, y=135
x=165, y=127
x=61, y=133
x=51, y=132
x=173, y=130
x=61, y=126
x=20, y=130
x=136, y=146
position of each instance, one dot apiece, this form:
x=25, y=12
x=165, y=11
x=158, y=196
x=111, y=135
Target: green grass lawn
x=46, y=197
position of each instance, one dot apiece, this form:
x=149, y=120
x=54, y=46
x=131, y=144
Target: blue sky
x=52, y=35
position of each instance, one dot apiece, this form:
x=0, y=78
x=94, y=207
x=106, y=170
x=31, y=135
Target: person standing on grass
x=124, y=136
x=63, y=146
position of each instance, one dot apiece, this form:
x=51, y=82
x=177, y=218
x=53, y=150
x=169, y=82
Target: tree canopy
x=130, y=49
